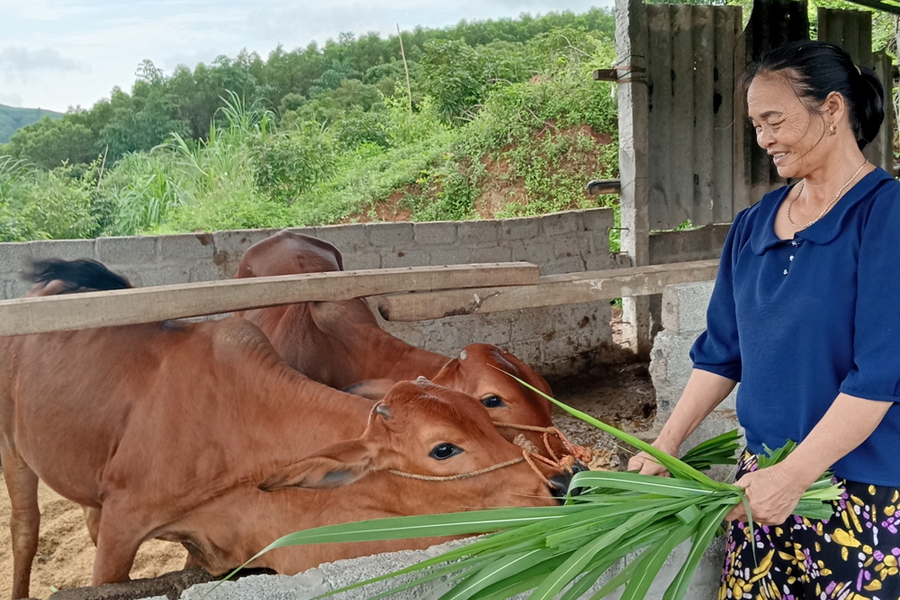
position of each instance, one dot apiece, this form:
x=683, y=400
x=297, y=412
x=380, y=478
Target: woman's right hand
x=645, y=464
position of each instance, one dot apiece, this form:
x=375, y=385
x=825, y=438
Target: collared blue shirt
x=798, y=321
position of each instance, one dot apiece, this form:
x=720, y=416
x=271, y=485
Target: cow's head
x=289, y=253
x=483, y=371
x=427, y=449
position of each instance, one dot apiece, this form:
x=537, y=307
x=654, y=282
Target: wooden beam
x=159, y=303
x=596, y=187
x=571, y=288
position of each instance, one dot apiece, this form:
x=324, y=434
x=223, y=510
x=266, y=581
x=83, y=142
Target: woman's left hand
x=773, y=495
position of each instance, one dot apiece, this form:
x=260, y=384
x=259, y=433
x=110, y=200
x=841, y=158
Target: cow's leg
x=118, y=538
x=92, y=520
x=25, y=518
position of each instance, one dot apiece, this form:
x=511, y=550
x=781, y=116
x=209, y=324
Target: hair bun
x=869, y=106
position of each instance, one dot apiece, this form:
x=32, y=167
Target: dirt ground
x=620, y=394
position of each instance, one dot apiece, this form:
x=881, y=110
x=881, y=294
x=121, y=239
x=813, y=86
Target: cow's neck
x=381, y=355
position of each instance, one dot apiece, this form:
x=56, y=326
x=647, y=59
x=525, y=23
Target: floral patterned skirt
x=850, y=556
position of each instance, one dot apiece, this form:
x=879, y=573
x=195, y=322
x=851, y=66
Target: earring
x=831, y=129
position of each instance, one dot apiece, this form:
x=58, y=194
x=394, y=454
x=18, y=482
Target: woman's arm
x=703, y=393
x=773, y=492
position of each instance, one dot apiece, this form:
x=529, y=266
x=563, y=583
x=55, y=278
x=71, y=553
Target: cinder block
x=684, y=306
x=408, y=258
x=561, y=223
x=67, y=249
x=205, y=271
x=523, y=228
x=186, y=247
x=133, y=275
x=434, y=233
x=14, y=257
x=565, y=247
x=598, y=220
x=451, y=256
x=166, y=275
x=347, y=239
x=536, y=250
x=389, y=235
x=368, y=260
x=126, y=250
x=491, y=254
x=478, y=232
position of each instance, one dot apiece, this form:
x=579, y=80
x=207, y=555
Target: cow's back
x=90, y=407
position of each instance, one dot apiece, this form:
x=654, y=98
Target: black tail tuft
x=76, y=275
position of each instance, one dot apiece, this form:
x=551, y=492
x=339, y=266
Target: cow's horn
x=462, y=355
x=385, y=411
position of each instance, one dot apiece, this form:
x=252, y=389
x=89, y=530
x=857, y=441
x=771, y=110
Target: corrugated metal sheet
x=695, y=159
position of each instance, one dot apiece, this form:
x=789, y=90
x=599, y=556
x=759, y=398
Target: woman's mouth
x=778, y=157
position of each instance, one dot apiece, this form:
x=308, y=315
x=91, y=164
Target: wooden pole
x=570, y=288
x=159, y=303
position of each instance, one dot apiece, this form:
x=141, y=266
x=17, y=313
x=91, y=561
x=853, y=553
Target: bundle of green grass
x=562, y=551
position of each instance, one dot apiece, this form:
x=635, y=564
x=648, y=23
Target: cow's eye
x=493, y=402
x=445, y=451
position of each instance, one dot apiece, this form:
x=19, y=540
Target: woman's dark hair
x=814, y=70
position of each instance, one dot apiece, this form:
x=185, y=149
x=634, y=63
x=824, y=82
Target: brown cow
x=341, y=345
x=166, y=430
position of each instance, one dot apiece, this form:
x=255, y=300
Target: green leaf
x=702, y=537
x=638, y=585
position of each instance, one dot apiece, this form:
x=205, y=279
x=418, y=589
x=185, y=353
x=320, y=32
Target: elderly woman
x=806, y=315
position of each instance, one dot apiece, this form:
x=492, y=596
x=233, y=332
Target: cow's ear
x=373, y=389
x=333, y=467
x=448, y=373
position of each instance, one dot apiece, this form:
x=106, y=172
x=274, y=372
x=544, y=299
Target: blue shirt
x=798, y=321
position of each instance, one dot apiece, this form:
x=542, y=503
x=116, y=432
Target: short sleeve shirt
x=798, y=321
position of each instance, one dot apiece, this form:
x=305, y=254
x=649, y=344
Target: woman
x=806, y=315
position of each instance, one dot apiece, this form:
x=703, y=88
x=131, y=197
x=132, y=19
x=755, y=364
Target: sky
x=56, y=54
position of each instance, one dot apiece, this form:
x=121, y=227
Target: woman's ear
x=834, y=107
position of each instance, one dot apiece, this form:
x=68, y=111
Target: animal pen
x=540, y=286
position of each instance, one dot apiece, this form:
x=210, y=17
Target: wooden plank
x=158, y=303
x=703, y=150
x=723, y=115
x=681, y=197
x=740, y=127
x=659, y=101
x=571, y=288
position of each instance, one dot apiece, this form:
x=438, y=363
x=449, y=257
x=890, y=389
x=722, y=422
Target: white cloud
x=18, y=62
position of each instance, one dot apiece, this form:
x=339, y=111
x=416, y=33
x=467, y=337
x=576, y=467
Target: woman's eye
x=445, y=451
x=493, y=402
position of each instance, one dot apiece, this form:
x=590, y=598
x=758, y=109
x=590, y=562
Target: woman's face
x=785, y=129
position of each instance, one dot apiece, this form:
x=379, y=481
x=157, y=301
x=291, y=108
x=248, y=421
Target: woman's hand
x=773, y=495
x=645, y=464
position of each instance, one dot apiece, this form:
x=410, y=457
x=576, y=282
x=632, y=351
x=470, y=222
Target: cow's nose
x=561, y=482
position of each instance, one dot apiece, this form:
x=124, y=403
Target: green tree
x=51, y=142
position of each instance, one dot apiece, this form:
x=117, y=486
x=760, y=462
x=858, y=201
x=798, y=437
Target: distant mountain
x=12, y=119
